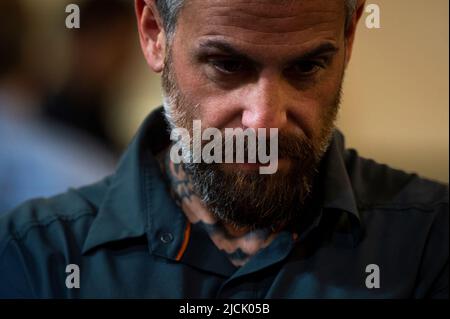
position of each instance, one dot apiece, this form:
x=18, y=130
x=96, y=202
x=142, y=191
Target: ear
x=151, y=33
x=351, y=31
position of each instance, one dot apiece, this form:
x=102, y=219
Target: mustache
x=296, y=146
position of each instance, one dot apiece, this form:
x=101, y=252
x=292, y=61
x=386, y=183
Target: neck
x=238, y=243
x=183, y=192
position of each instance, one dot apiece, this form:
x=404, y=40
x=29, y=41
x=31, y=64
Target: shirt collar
x=336, y=187
x=336, y=184
x=137, y=202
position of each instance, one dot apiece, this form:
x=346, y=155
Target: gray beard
x=251, y=200
x=247, y=199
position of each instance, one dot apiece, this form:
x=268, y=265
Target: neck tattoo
x=238, y=244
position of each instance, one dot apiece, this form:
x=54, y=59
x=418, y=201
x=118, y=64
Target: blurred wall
x=395, y=107
x=396, y=101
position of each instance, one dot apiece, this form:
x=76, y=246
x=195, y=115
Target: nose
x=265, y=104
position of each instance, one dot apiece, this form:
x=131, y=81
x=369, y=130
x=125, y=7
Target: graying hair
x=169, y=10
x=350, y=7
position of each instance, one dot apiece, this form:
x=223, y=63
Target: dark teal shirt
x=367, y=224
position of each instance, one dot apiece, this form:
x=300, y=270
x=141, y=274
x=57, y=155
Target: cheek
x=196, y=90
x=215, y=105
x=313, y=107
x=220, y=109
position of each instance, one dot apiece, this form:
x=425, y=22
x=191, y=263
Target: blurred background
x=71, y=99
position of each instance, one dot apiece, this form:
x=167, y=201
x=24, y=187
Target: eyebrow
x=225, y=47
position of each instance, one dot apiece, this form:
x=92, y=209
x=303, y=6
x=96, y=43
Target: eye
x=227, y=66
x=306, y=68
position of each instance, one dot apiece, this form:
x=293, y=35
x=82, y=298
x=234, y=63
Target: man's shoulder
x=380, y=185
x=71, y=211
x=404, y=219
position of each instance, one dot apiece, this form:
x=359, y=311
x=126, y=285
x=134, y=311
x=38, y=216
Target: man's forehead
x=277, y=22
x=286, y=7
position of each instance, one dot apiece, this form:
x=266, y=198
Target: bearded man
x=327, y=224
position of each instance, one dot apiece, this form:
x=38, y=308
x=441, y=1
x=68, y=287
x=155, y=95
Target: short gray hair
x=169, y=10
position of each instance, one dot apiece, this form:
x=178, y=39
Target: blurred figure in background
x=37, y=157
x=101, y=50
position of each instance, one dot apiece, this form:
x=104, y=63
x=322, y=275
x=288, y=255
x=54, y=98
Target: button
x=166, y=238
